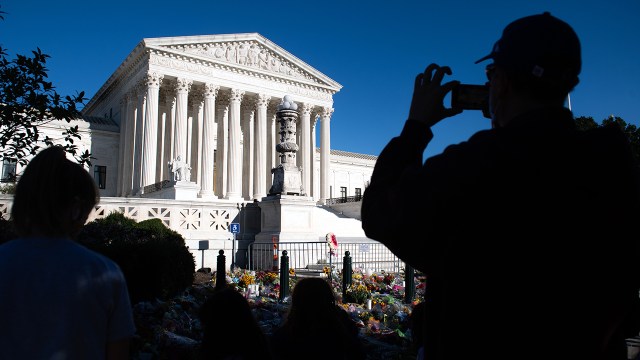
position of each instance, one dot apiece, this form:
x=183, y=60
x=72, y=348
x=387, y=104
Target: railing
x=315, y=255
x=346, y=278
x=195, y=220
x=344, y=199
x=156, y=187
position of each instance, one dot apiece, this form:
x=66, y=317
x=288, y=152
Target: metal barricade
x=364, y=255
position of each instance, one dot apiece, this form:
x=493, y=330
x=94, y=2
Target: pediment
x=248, y=51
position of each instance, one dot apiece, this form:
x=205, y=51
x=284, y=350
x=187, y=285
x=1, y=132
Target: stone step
x=302, y=273
x=319, y=267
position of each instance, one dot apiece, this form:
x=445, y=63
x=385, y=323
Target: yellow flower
x=246, y=279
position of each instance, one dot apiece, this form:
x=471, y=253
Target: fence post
x=346, y=273
x=221, y=272
x=409, y=284
x=284, y=276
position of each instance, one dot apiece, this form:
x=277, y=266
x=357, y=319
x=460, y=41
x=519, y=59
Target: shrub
x=154, y=259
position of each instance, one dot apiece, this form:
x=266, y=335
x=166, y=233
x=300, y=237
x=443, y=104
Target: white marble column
x=248, y=139
x=222, y=144
x=325, y=152
x=194, y=155
x=208, y=131
x=129, y=149
x=141, y=92
x=314, y=176
x=260, y=172
x=122, y=126
x=271, y=141
x=162, y=130
x=182, y=107
x=305, y=147
x=165, y=136
x=150, y=136
x=172, y=112
x=234, y=185
x=299, y=160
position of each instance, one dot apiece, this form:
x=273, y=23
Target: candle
x=368, y=304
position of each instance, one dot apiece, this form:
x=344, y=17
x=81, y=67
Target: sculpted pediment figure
x=248, y=50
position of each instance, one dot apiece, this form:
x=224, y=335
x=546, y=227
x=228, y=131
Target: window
x=358, y=194
x=343, y=192
x=8, y=170
x=100, y=175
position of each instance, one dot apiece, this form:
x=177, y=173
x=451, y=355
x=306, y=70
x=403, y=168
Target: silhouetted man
x=526, y=231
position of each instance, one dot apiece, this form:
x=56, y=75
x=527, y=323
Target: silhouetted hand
x=428, y=96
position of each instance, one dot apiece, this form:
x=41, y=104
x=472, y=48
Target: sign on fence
x=363, y=248
x=234, y=228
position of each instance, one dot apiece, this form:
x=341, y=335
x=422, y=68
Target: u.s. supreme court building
x=208, y=105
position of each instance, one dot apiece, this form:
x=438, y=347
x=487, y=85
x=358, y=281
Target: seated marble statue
x=180, y=170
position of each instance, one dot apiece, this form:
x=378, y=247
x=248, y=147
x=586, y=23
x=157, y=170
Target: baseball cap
x=541, y=45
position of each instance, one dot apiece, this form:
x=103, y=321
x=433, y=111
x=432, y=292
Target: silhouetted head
x=312, y=296
x=54, y=196
x=312, y=293
x=226, y=307
x=230, y=329
x=542, y=49
x=540, y=55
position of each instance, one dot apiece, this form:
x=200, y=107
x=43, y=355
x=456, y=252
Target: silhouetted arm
x=390, y=199
x=413, y=207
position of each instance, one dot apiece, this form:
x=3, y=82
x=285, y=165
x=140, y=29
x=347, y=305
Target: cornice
x=188, y=54
x=129, y=66
x=215, y=47
x=200, y=66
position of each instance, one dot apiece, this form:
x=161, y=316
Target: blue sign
x=234, y=228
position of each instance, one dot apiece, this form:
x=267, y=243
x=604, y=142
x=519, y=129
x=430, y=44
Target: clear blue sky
x=373, y=48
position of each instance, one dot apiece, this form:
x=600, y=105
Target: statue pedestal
x=286, y=181
x=287, y=218
x=180, y=190
x=284, y=219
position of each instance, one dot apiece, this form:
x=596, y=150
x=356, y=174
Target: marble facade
x=212, y=101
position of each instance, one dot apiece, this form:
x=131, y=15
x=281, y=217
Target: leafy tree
x=28, y=101
x=585, y=123
x=632, y=131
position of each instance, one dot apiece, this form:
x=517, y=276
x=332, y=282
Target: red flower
x=332, y=241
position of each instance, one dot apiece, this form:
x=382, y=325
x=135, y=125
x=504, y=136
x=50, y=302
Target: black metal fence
x=344, y=199
x=345, y=263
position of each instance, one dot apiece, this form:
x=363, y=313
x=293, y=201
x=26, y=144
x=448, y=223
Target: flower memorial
x=332, y=241
x=173, y=327
x=358, y=293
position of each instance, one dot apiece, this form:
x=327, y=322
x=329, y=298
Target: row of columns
x=155, y=131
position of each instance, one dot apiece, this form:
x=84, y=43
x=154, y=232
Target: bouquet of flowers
x=246, y=279
x=332, y=241
x=358, y=293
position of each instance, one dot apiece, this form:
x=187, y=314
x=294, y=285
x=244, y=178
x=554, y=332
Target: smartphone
x=470, y=97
